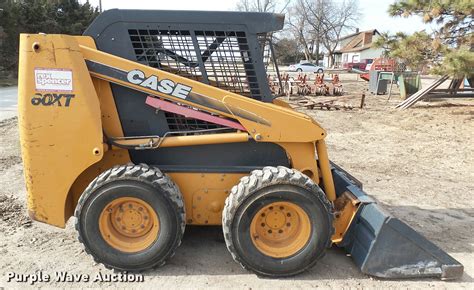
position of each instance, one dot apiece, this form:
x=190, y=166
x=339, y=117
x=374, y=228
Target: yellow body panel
x=346, y=207
x=58, y=142
x=63, y=146
x=204, y=194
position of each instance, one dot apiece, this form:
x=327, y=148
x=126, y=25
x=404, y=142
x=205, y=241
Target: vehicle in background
x=306, y=67
x=364, y=64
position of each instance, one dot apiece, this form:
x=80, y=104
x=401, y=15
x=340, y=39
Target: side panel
x=231, y=157
x=59, y=119
x=111, y=125
x=139, y=119
x=204, y=195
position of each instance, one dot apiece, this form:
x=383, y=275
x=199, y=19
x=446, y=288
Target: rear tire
x=320, y=71
x=131, y=218
x=299, y=70
x=271, y=246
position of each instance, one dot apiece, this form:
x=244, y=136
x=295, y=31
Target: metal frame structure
x=227, y=50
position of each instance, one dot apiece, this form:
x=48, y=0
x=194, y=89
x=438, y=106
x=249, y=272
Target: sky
x=374, y=11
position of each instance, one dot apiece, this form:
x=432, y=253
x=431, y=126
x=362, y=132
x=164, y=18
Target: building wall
x=351, y=57
x=371, y=53
x=337, y=60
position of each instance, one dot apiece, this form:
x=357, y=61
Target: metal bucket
x=384, y=246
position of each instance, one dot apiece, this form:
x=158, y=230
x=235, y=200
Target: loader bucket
x=384, y=246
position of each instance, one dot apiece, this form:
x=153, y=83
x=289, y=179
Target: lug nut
x=288, y=224
x=262, y=224
x=269, y=231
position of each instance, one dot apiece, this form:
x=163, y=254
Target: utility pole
x=100, y=6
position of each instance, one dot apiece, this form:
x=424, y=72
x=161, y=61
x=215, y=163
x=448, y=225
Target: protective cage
x=228, y=50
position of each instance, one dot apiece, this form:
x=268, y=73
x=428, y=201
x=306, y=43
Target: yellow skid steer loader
x=154, y=120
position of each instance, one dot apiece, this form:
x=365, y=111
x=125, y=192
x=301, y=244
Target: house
x=354, y=48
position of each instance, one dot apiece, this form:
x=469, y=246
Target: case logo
x=165, y=86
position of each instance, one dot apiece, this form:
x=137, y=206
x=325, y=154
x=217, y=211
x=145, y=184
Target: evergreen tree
x=34, y=16
x=449, y=49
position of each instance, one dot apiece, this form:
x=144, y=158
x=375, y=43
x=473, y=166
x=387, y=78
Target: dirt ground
x=418, y=163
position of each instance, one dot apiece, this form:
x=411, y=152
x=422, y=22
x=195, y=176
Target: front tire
x=299, y=70
x=277, y=222
x=131, y=218
x=320, y=71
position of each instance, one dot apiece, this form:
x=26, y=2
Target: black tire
x=263, y=187
x=320, y=71
x=138, y=181
x=299, y=70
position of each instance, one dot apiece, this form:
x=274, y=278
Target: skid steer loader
x=154, y=120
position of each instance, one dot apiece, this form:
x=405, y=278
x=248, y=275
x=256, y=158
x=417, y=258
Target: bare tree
x=337, y=21
x=317, y=23
x=298, y=26
x=278, y=6
x=312, y=23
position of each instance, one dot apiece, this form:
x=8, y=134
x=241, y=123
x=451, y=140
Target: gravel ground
x=418, y=163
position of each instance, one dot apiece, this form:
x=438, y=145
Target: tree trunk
x=317, y=50
x=307, y=53
x=331, y=59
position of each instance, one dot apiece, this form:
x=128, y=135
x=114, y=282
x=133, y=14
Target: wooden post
x=391, y=84
x=362, y=101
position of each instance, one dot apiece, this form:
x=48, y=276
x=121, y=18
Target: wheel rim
x=280, y=229
x=129, y=224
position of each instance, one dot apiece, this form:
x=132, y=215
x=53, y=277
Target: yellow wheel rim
x=280, y=229
x=129, y=224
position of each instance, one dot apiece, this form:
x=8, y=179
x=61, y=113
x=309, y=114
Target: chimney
x=357, y=30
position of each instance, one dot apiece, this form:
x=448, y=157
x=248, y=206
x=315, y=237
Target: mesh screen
x=181, y=123
x=226, y=61
x=219, y=58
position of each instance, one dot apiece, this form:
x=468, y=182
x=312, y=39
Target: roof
x=349, y=35
x=355, y=33
x=360, y=41
x=255, y=22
